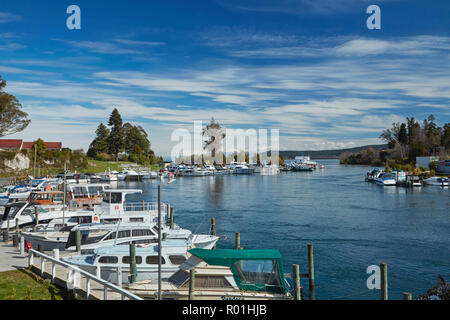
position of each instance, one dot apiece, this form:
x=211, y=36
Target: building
x=425, y=161
x=443, y=167
x=19, y=144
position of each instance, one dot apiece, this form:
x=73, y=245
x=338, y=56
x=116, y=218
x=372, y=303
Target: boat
x=303, y=167
x=266, y=170
x=436, y=181
x=413, y=181
x=108, y=259
x=241, y=168
x=386, y=179
x=108, y=176
x=223, y=274
x=372, y=175
x=96, y=235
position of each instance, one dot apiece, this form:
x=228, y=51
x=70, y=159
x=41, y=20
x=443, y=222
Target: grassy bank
x=94, y=166
x=25, y=285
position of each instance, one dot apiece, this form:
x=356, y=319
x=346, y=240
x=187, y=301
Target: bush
x=102, y=156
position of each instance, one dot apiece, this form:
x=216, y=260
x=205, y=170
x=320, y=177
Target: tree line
x=123, y=141
x=406, y=141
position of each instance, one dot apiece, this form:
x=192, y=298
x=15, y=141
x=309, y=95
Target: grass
x=94, y=166
x=25, y=285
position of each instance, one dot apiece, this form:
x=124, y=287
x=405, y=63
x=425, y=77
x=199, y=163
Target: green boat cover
x=269, y=280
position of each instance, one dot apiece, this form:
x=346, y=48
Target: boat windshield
x=258, y=274
x=112, y=197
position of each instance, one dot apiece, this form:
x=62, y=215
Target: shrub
x=102, y=156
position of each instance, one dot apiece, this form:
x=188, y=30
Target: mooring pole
x=159, y=242
x=311, y=271
x=172, y=218
x=132, y=263
x=78, y=240
x=407, y=296
x=238, y=240
x=213, y=229
x=296, y=272
x=384, y=281
x=191, y=283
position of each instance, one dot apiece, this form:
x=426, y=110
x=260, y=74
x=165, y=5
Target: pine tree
x=116, y=139
x=100, y=143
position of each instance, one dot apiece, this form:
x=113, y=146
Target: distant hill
x=327, y=154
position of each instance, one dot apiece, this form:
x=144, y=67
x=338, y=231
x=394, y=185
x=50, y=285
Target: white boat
x=240, y=168
x=223, y=274
x=96, y=235
x=267, y=170
x=436, y=181
x=386, y=179
x=173, y=254
x=108, y=176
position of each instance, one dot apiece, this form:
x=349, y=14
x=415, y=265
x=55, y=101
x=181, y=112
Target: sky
x=310, y=68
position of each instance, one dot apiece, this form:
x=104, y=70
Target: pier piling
x=191, y=284
x=384, y=281
x=132, y=263
x=407, y=296
x=311, y=271
x=296, y=275
x=78, y=240
x=17, y=225
x=213, y=229
x=238, y=240
x=172, y=221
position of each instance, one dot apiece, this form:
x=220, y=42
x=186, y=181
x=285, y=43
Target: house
x=19, y=144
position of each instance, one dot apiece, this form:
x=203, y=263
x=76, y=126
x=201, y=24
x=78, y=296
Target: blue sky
x=308, y=67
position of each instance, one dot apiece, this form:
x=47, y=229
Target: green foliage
x=100, y=143
x=102, y=156
x=116, y=138
x=12, y=118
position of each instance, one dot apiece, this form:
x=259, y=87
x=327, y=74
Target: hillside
x=327, y=154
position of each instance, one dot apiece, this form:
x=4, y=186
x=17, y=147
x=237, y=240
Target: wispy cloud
x=8, y=17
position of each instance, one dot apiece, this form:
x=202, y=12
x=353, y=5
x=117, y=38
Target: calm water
x=352, y=224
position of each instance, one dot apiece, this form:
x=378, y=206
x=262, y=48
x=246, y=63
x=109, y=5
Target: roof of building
x=10, y=143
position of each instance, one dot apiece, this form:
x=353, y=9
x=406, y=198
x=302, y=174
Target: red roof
x=19, y=144
x=54, y=145
x=27, y=145
x=11, y=143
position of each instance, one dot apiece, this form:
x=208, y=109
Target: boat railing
x=144, y=206
x=73, y=273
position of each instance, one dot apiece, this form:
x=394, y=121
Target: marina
x=299, y=195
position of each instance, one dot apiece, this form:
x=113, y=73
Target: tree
x=116, y=139
x=445, y=140
x=135, y=135
x=12, y=119
x=213, y=135
x=100, y=143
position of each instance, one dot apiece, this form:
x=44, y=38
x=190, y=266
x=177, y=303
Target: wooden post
x=36, y=215
x=296, y=272
x=78, y=240
x=172, y=219
x=56, y=256
x=30, y=259
x=143, y=205
x=191, y=283
x=407, y=296
x=17, y=225
x=213, y=229
x=311, y=270
x=238, y=240
x=132, y=263
x=119, y=276
x=22, y=245
x=384, y=281
x=88, y=288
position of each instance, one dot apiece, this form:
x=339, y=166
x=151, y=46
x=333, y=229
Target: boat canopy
x=253, y=270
